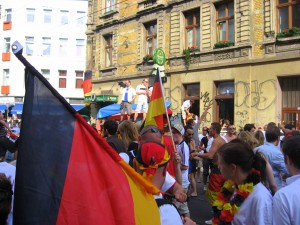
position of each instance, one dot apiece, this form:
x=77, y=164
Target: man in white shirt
x=128, y=96
x=286, y=200
x=142, y=104
x=185, y=110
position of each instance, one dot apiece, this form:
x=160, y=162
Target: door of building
x=225, y=109
x=291, y=116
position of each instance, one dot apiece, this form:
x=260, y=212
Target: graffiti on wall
x=255, y=95
x=241, y=118
x=207, y=102
x=169, y=97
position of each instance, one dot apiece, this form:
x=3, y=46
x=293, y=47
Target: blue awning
x=115, y=109
x=17, y=109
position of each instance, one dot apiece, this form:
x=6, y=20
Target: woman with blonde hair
x=249, y=138
x=129, y=134
x=259, y=135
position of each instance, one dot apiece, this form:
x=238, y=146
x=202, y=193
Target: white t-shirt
x=143, y=93
x=184, y=152
x=9, y=171
x=130, y=91
x=286, y=203
x=209, y=143
x=169, y=182
x=256, y=209
x=168, y=214
x=186, y=104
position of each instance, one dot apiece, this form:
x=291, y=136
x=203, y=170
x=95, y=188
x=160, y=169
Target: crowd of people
x=250, y=176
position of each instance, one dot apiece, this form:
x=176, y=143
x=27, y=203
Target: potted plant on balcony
x=223, y=44
x=147, y=58
x=187, y=53
x=291, y=32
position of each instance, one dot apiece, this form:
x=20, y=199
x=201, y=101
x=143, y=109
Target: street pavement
x=199, y=207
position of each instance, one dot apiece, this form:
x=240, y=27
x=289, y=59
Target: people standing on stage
x=143, y=95
x=128, y=96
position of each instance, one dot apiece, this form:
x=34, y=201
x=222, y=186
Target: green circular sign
x=159, y=56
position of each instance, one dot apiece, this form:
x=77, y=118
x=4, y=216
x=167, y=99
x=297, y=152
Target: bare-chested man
x=230, y=135
x=215, y=179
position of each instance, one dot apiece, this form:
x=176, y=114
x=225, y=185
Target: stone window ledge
x=205, y=57
x=108, y=14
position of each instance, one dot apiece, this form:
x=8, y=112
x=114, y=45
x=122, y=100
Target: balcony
x=207, y=58
x=281, y=46
x=7, y=25
x=5, y=89
x=146, y=5
x=5, y=56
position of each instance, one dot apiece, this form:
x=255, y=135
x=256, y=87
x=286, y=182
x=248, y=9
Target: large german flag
x=157, y=107
x=66, y=173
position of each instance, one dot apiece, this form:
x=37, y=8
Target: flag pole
x=166, y=110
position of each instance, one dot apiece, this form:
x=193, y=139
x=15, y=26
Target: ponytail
x=258, y=172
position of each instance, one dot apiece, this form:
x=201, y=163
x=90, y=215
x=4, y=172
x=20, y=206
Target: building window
x=47, y=15
x=80, y=47
x=5, y=76
x=64, y=19
x=7, y=14
x=225, y=22
x=288, y=14
x=29, y=45
x=46, y=46
x=62, y=76
x=6, y=46
x=80, y=18
x=108, y=50
x=151, y=37
x=192, y=28
x=30, y=15
x=109, y=5
x=46, y=73
x=225, y=88
x=79, y=79
x=63, y=46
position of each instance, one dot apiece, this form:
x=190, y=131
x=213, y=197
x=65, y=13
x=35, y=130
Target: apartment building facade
x=52, y=34
x=240, y=56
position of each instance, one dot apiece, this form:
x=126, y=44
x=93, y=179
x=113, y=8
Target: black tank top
x=2, y=130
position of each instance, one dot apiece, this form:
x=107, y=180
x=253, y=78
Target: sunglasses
x=152, y=130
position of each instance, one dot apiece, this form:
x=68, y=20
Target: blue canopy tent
x=18, y=108
x=115, y=109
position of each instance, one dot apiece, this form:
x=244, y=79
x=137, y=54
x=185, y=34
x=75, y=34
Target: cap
x=151, y=156
x=179, y=128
